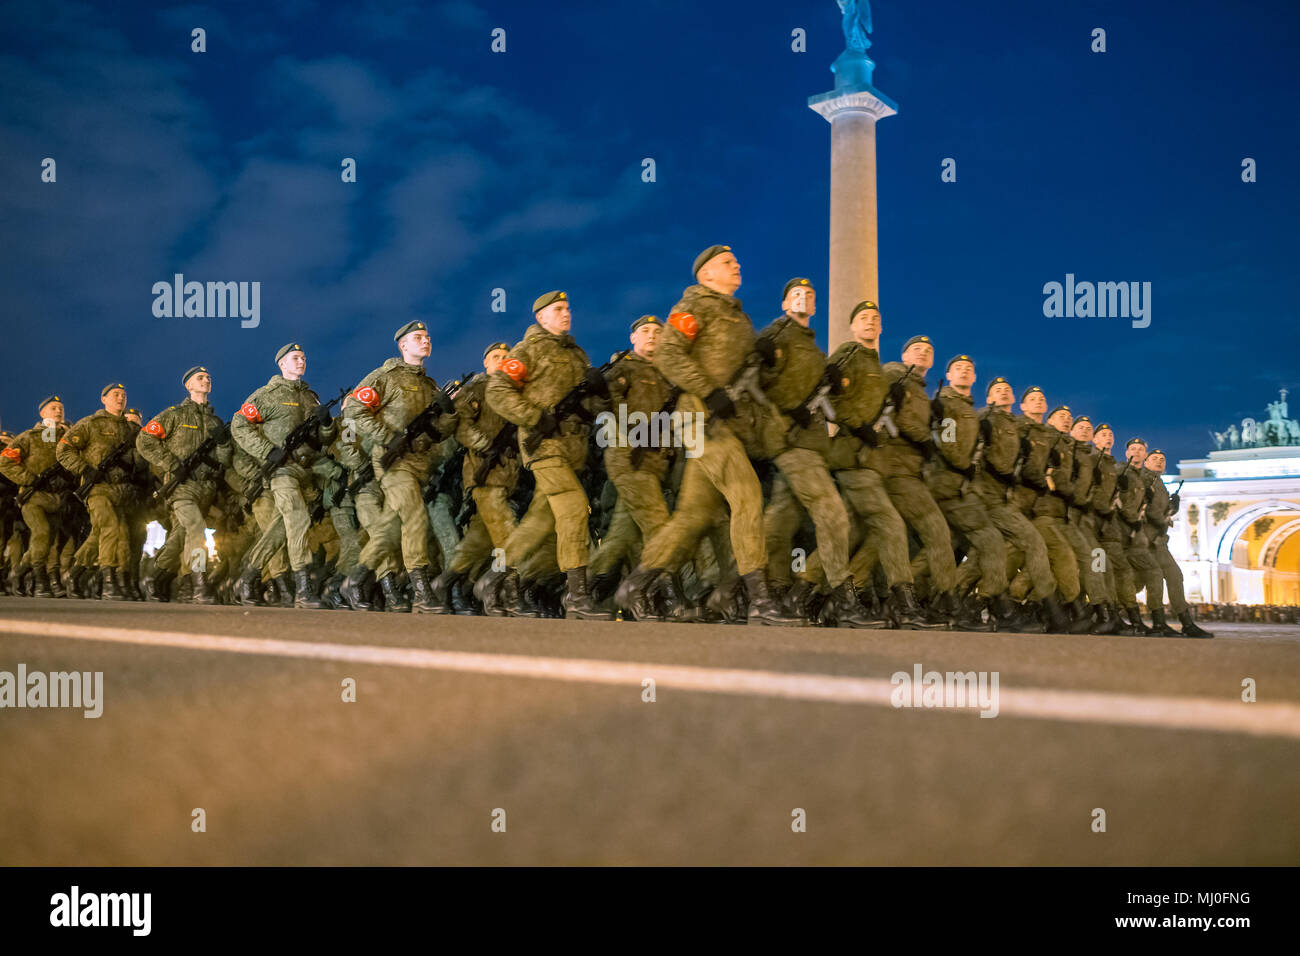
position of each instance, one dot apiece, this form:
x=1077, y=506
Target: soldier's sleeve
x=966, y=433
x=224, y=453
x=769, y=375
x=151, y=442
x=1063, y=473
x=505, y=389
x=468, y=432
x=673, y=354
x=246, y=427
x=12, y=461
x=363, y=405
x=68, y=452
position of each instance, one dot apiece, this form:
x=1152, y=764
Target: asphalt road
x=747, y=726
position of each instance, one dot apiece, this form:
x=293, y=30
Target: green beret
x=194, y=371
x=1156, y=451
x=416, y=326
x=914, y=340
x=549, y=299
x=286, y=349
x=109, y=387
x=1029, y=391
x=133, y=411
x=706, y=255
x=45, y=401
x=792, y=283
x=864, y=304
x=1103, y=427
x=1083, y=418
x=997, y=381
x=646, y=320
x=494, y=346
x=1136, y=441
x=958, y=358
x=1058, y=408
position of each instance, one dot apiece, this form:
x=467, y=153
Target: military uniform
x=87, y=443
x=30, y=455
x=1081, y=526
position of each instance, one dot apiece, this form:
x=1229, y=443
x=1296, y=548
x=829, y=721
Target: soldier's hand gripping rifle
x=425, y=423
x=1174, y=500
x=306, y=432
x=818, y=400
x=503, y=446
x=571, y=405
x=98, y=473
x=893, y=399
x=201, y=455
x=637, y=455
x=53, y=479
x=721, y=402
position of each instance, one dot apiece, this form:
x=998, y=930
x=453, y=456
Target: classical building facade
x=1237, y=535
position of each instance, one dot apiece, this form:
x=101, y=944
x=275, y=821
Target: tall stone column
x=852, y=109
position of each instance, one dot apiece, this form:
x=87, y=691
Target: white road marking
x=1103, y=707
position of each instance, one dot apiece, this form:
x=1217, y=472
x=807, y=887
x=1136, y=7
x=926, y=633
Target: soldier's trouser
x=268, y=552
x=1093, y=560
x=559, y=505
x=287, y=494
x=41, y=513
x=1146, y=570
x=863, y=490
x=1027, y=565
x=369, y=502
x=1172, y=574
x=138, y=525
x=1065, y=566
x=801, y=484
x=344, y=520
x=443, y=525
x=1113, y=539
x=638, y=515
x=490, y=528
x=404, y=519
x=107, y=516
x=987, y=555
x=88, y=554
x=722, y=470
x=475, y=546
x=189, y=506
x=917, y=507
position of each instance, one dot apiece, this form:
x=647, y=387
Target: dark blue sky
x=522, y=171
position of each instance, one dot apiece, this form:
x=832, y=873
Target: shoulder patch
x=155, y=429
x=685, y=323
x=367, y=396
x=15, y=454
x=250, y=412
x=515, y=370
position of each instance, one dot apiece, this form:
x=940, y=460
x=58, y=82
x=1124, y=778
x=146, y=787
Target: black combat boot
x=603, y=586
x=422, y=601
x=727, y=603
x=1005, y=615
x=1102, y=621
x=1058, y=622
x=500, y=592
x=41, y=583
x=202, y=593
x=1190, y=628
x=248, y=589
x=799, y=601
x=110, y=590
x=842, y=608
x=532, y=601
x=284, y=589
x=1080, y=616
x=394, y=600
x=353, y=588
x=762, y=609
x=331, y=597
x=907, y=611
x=1135, y=619
x=20, y=580
x=942, y=610
x=578, y=603
x=441, y=589
x=304, y=595
x=56, y=583
x=158, y=585
x=1159, y=626
x=671, y=600
x=462, y=598
x=970, y=615
x=634, y=596
x=130, y=586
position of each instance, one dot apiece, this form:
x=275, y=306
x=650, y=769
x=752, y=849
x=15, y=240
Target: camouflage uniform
x=1158, y=567
x=1046, y=466
x=82, y=448
x=1081, y=523
x=30, y=455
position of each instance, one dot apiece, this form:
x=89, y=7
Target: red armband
x=367, y=396
x=684, y=323
x=251, y=413
x=155, y=429
x=515, y=370
x=14, y=453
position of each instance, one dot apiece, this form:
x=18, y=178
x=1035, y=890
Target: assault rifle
x=503, y=446
x=570, y=406
x=98, y=473
x=637, y=455
x=893, y=399
x=306, y=432
x=424, y=423
x=53, y=479
x=200, y=455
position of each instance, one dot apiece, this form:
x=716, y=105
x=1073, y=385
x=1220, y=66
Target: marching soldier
x=29, y=462
x=707, y=342
x=1111, y=530
x=794, y=436
x=167, y=441
x=1081, y=525
x=100, y=448
x=382, y=405
x=546, y=367
x=1160, y=510
x=262, y=425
